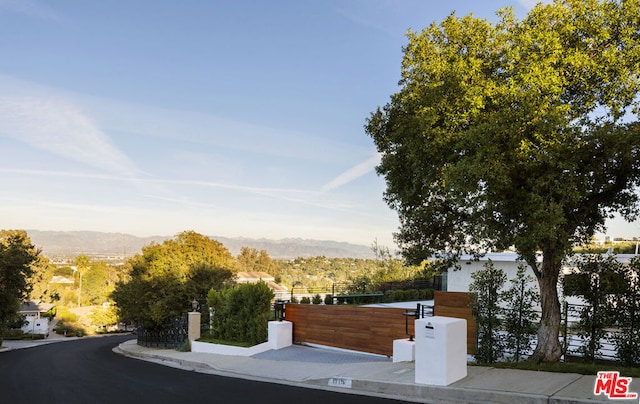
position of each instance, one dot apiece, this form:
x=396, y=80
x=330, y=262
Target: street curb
x=402, y=391
x=316, y=384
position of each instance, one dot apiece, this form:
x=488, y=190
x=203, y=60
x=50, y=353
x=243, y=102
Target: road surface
x=86, y=371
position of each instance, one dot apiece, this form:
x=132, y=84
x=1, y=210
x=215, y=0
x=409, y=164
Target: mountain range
x=91, y=243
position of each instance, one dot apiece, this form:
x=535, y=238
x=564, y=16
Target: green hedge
x=241, y=312
x=13, y=335
x=391, y=296
x=16, y=335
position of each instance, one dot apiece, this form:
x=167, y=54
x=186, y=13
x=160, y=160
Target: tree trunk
x=549, y=348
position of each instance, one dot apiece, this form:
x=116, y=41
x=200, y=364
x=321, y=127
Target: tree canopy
x=166, y=277
x=518, y=133
x=16, y=257
x=250, y=260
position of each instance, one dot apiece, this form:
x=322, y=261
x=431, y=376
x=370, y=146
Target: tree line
x=160, y=282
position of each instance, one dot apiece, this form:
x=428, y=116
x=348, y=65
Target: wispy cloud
x=61, y=128
x=299, y=196
x=353, y=173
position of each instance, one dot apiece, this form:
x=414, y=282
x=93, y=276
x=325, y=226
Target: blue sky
x=230, y=118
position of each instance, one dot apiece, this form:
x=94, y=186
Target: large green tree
x=518, y=133
x=252, y=260
x=163, y=279
x=98, y=282
x=17, y=255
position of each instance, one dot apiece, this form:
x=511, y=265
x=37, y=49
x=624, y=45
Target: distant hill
x=73, y=243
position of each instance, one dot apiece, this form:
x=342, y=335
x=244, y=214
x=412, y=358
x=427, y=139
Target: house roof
x=275, y=287
x=495, y=256
x=61, y=279
x=513, y=257
x=31, y=306
x=254, y=276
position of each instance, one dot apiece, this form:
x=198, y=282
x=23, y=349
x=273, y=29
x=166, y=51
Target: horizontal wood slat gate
x=366, y=329
x=456, y=304
x=370, y=329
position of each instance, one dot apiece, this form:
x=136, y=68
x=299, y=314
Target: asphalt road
x=86, y=371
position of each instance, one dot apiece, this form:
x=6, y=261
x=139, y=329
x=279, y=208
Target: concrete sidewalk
x=374, y=375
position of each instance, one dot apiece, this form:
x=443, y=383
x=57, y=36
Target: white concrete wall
x=280, y=336
x=459, y=280
x=206, y=347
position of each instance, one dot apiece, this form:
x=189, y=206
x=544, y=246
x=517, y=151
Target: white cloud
x=59, y=127
x=353, y=173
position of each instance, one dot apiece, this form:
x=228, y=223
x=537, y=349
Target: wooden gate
x=366, y=329
x=371, y=329
x=456, y=304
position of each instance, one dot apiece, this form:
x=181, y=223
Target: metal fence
x=572, y=342
x=351, y=288
x=570, y=339
x=171, y=335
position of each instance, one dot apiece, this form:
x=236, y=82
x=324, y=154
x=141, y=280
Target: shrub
x=33, y=336
x=305, y=300
x=241, y=312
x=519, y=319
x=317, y=299
x=69, y=330
x=13, y=334
x=390, y=296
x=486, y=287
x=393, y=295
x=66, y=316
x=627, y=314
x=328, y=299
x=595, y=279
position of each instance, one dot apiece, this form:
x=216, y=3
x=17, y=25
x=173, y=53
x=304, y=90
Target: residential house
x=36, y=321
x=280, y=292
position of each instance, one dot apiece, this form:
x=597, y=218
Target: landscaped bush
x=627, y=313
x=69, y=330
x=328, y=299
x=241, y=312
x=317, y=299
x=392, y=295
x=305, y=300
x=486, y=291
x=33, y=336
x=16, y=335
x=13, y=335
x=66, y=316
x=520, y=315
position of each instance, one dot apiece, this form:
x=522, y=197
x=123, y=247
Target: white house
x=35, y=322
x=279, y=291
x=458, y=280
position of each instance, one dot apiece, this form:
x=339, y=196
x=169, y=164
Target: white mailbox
x=441, y=350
